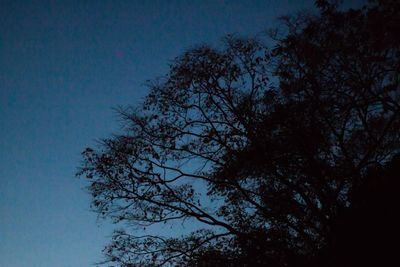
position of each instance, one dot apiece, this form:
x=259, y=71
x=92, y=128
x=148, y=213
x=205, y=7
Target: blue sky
x=63, y=66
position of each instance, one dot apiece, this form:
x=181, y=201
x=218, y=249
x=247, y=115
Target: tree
x=271, y=150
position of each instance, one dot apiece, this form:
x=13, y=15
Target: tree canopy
x=284, y=154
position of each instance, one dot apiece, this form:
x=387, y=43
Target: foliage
x=267, y=148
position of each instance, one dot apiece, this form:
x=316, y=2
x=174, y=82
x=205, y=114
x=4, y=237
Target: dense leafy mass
x=283, y=155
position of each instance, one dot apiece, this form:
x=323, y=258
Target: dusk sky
x=63, y=66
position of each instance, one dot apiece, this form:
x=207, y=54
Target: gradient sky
x=63, y=66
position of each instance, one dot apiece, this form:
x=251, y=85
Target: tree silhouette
x=285, y=156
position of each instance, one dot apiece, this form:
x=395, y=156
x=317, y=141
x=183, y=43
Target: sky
x=64, y=66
